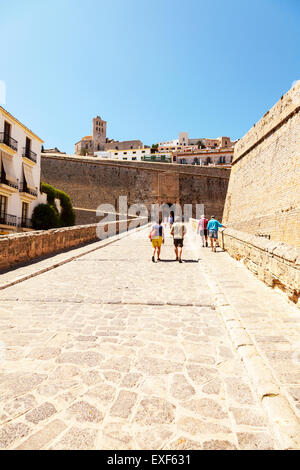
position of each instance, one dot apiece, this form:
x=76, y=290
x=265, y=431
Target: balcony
x=8, y=219
x=8, y=141
x=24, y=222
x=24, y=189
x=29, y=154
x=3, y=180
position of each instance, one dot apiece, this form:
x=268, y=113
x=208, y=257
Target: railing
x=27, y=153
x=9, y=141
x=24, y=189
x=3, y=180
x=24, y=222
x=8, y=219
x=154, y=158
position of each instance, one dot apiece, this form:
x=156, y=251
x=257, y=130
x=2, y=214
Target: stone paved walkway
x=111, y=351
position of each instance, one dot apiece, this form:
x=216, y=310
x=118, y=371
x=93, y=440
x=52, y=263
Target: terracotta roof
x=88, y=137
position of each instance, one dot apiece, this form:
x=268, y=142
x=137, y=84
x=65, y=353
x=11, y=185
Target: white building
x=20, y=168
x=135, y=155
x=130, y=154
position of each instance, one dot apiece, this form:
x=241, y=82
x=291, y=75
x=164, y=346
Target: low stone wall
x=275, y=263
x=23, y=247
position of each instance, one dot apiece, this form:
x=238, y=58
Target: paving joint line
x=117, y=302
x=282, y=417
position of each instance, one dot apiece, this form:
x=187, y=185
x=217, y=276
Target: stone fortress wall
x=91, y=183
x=264, y=189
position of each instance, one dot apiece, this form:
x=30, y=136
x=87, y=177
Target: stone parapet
x=263, y=196
x=275, y=117
x=275, y=263
x=25, y=247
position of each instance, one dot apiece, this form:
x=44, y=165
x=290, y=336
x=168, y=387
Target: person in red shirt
x=202, y=229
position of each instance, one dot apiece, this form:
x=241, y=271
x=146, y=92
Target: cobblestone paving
x=112, y=351
x=272, y=323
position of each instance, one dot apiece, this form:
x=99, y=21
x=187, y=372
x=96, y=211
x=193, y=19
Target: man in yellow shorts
x=157, y=237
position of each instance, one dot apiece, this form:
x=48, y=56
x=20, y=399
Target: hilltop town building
x=218, y=156
x=20, y=163
x=98, y=141
x=183, y=143
x=143, y=154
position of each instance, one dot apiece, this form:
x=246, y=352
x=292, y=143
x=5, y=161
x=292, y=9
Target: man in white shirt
x=178, y=232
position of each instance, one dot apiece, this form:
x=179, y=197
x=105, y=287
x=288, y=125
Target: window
x=116, y=153
x=27, y=146
x=124, y=153
x=133, y=158
x=143, y=151
x=7, y=131
x=133, y=152
x=3, y=208
x=124, y=158
x=24, y=211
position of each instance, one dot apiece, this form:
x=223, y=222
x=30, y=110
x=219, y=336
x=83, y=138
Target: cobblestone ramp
x=112, y=351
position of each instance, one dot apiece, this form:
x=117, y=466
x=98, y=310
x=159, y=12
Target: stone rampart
x=91, y=182
x=263, y=195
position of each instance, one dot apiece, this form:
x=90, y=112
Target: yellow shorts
x=156, y=242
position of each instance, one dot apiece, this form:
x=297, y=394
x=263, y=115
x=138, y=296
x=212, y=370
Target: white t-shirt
x=178, y=230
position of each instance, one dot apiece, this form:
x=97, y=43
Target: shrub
x=44, y=217
x=67, y=216
x=51, y=193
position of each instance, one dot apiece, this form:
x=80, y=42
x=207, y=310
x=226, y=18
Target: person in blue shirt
x=213, y=227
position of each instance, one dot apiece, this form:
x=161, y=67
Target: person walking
x=157, y=237
x=202, y=229
x=171, y=220
x=213, y=227
x=178, y=232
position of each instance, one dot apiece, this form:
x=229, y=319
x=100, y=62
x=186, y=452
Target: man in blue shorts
x=213, y=227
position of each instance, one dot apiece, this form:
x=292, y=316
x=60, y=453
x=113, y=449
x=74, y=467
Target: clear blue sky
x=149, y=68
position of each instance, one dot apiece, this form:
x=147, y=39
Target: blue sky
x=151, y=69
